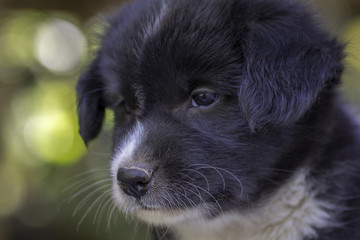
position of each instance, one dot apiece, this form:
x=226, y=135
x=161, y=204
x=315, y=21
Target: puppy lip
x=149, y=207
x=146, y=207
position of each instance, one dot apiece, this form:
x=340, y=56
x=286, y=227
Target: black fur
x=276, y=72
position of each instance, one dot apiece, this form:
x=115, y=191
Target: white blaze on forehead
x=125, y=153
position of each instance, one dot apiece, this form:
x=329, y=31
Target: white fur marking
x=162, y=218
x=292, y=213
x=123, y=156
x=125, y=151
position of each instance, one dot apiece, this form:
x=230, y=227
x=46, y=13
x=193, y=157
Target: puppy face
x=211, y=101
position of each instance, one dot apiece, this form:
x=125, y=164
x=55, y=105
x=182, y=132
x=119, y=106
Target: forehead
x=168, y=53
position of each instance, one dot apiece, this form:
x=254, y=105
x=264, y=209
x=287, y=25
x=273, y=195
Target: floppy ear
x=91, y=105
x=287, y=65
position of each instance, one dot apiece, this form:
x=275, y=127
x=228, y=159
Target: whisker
x=168, y=200
x=199, y=195
x=177, y=199
x=90, y=208
x=162, y=235
x=208, y=193
x=112, y=209
x=92, y=171
x=80, y=183
x=222, y=169
x=100, y=210
x=194, y=170
x=85, y=199
x=87, y=188
x=192, y=203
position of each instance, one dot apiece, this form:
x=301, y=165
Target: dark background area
x=51, y=187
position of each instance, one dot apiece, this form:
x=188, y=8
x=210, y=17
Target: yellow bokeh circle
x=352, y=39
x=46, y=113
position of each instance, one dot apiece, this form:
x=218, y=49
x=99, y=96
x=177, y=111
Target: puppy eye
x=204, y=99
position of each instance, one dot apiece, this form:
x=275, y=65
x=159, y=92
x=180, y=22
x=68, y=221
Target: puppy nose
x=135, y=181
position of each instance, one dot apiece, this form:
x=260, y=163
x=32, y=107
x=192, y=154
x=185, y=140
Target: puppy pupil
x=204, y=99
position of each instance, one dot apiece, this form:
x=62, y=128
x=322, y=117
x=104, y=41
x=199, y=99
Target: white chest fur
x=291, y=214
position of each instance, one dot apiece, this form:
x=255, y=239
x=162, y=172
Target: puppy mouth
x=160, y=215
x=148, y=202
x=151, y=203
x=159, y=207
x=150, y=207
x=140, y=192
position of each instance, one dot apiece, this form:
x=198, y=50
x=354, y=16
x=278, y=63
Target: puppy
x=228, y=124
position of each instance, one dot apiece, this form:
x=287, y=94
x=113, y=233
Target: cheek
x=225, y=121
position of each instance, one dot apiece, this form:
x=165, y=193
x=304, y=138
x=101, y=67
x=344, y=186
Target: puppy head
x=208, y=97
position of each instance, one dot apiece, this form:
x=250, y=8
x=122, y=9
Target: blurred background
x=51, y=186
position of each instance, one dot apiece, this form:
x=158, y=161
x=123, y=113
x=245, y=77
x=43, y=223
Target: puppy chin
x=169, y=217
x=157, y=215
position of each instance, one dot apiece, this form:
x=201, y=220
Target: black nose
x=134, y=181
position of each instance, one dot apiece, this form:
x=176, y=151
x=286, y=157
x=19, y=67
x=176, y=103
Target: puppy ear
x=91, y=105
x=286, y=67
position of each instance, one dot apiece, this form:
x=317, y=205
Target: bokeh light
x=50, y=136
x=352, y=38
x=351, y=76
x=46, y=115
x=17, y=38
x=59, y=46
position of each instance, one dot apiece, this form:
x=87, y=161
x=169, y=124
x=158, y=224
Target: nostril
x=134, y=181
